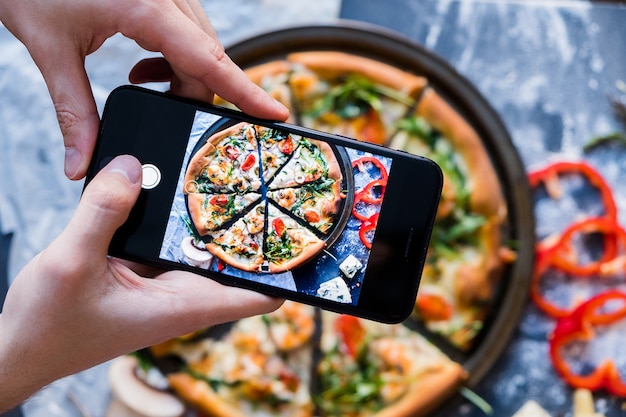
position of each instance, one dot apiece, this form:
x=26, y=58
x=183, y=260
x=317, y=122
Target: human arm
x=72, y=307
x=59, y=34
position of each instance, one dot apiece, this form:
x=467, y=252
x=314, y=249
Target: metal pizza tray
x=395, y=49
x=347, y=182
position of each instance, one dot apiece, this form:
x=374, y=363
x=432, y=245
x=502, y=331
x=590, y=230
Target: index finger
x=194, y=53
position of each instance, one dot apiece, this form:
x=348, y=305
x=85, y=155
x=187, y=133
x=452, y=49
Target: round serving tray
x=335, y=232
x=395, y=49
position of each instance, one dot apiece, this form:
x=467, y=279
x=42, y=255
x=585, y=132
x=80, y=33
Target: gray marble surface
x=548, y=69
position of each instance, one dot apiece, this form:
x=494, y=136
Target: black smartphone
x=280, y=209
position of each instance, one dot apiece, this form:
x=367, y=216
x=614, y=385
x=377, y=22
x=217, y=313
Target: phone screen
x=276, y=208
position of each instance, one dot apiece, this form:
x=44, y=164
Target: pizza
x=262, y=200
x=375, y=102
x=298, y=361
x=321, y=363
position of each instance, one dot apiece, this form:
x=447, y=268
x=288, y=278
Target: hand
x=59, y=34
x=72, y=307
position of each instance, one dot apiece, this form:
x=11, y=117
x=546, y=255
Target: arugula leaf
x=354, y=97
x=419, y=128
x=356, y=387
x=278, y=247
x=455, y=230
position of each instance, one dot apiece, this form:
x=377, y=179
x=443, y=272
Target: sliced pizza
x=316, y=202
x=227, y=163
x=466, y=255
x=248, y=373
x=241, y=244
x=371, y=369
x=276, y=148
x=312, y=160
x=288, y=244
x=210, y=211
x=351, y=95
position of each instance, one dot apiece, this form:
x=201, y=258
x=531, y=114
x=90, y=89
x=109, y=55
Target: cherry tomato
x=279, y=226
x=433, y=307
x=286, y=145
x=248, y=163
x=219, y=200
x=312, y=216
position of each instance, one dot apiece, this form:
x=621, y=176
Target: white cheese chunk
x=335, y=290
x=350, y=266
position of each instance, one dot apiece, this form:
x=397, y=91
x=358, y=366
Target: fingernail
x=280, y=106
x=127, y=166
x=73, y=161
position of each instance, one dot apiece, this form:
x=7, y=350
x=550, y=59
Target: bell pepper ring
x=366, y=228
x=549, y=176
x=549, y=255
x=360, y=164
x=579, y=326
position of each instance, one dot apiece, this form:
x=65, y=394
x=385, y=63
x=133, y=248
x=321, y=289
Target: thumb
x=104, y=207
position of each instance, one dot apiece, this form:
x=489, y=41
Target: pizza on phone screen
x=275, y=232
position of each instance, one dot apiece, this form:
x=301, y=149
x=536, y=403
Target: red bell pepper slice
x=578, y=326
x=366, y=194
x=547, y=257
x=369, y=225
x=360, y=163
x=549, y=176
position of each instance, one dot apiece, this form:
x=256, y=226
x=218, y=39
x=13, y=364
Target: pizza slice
x=288, y=244
x=316, y=202
x=370, y=369
x=276, y=148
x=256, y=370
x=466, y=254
x=351, y=95
x=241, y=244
x=210, y=211
x=311, y=161
x=227, y=163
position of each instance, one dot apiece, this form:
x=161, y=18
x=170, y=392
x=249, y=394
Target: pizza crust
x=196, y=213
x=334, y=64
x=251, y=266
x=486, y=195
x=200, y=395
x=307, y=253
x=425, y=394
x=334, y=170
